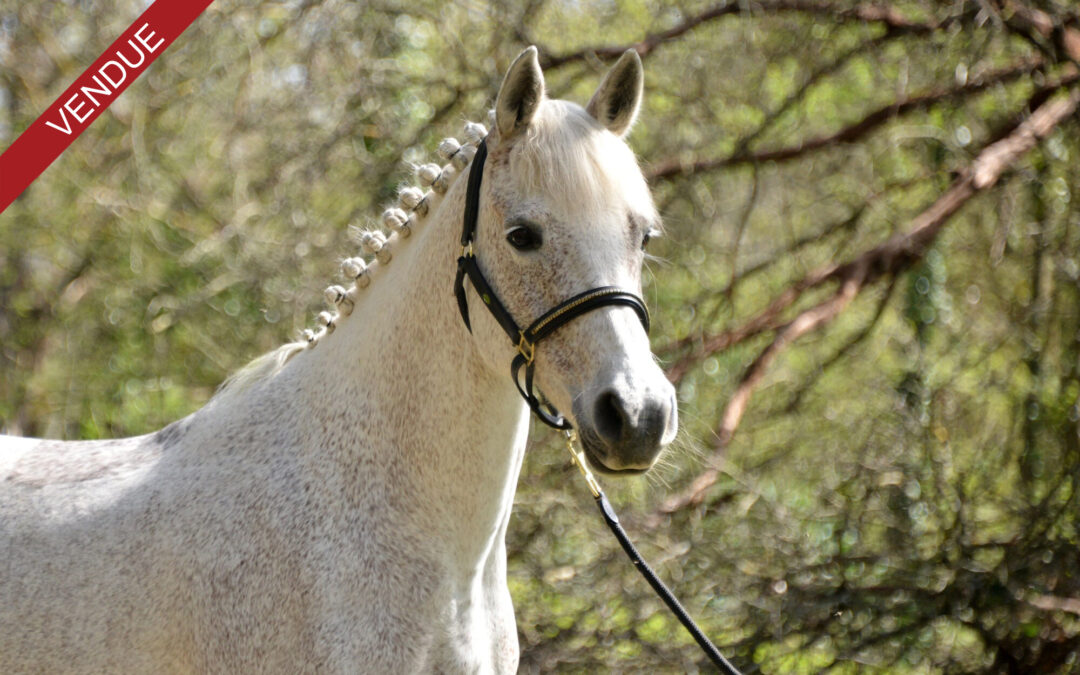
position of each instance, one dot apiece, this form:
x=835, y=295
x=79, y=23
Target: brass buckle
x=466, y=250
x=526, y=348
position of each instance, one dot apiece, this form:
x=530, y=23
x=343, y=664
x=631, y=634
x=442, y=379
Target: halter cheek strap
x=525, y=340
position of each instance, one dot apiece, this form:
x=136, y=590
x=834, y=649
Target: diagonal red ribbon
x=77, y=108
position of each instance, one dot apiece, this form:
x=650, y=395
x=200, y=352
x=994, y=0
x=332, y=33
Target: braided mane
x=376, y=251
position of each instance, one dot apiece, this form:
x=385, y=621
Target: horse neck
x=403, y=379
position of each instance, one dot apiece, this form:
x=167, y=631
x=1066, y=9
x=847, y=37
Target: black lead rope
x=612, y=520
x=525, y=342
x=663, y=591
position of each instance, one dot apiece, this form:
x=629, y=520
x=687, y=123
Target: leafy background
x=879, y=457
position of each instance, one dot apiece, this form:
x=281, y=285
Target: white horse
x=341, y=504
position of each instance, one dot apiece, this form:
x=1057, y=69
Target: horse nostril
x=609, y=416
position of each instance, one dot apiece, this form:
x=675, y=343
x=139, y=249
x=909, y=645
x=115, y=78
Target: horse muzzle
x=622, y=429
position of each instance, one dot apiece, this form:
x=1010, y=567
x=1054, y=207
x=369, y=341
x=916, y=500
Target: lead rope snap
x=579, y=459
x=663, y=591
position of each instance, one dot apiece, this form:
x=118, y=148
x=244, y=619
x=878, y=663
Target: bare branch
x=1053, y=603
x=845, y=349
x=894, y=21
x=812, y=79
x=807, y=321
x=887, y=259
x=665, y=169
x=987, y=167
x=1040, y=27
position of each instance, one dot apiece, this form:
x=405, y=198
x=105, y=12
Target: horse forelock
x=581, y=169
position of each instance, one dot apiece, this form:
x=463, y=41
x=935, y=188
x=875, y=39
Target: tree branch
x=1038, y=26
x=796, y=398
x=893, y=20
x=887, y=259
x=666, y=169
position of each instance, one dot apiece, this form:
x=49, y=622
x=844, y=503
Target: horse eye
x=649, y=234
x=523, y=238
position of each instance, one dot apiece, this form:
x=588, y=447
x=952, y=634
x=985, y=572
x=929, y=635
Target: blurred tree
x=868, y=295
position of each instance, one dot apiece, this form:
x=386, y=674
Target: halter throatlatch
x=525, y=340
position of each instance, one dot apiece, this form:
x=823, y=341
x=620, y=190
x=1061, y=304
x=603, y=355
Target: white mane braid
x=376, y=249
x=341, y=504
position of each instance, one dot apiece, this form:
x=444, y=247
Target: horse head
x=563, y=208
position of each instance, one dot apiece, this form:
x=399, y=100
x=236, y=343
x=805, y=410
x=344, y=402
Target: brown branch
x=769, y=319
x=887, y=259
x=799, y=94
x=845, y=224
x=1055, y=604
x=733, y=412
x=678, y=369
x=807, y=321
x=665, y=169
x=796, y=398
x=1064, y=40
x=863, y=13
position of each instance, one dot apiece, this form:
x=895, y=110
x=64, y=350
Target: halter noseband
x=525, y=340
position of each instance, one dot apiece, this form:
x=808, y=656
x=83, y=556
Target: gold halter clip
x=579, y=459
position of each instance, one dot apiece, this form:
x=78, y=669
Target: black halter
x=548, y=323
x=525, y=341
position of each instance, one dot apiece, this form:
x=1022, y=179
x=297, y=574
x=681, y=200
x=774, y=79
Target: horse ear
x=520, y=95
x=618, y=98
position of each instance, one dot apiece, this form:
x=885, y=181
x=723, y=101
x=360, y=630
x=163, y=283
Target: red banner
x=77, y=108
